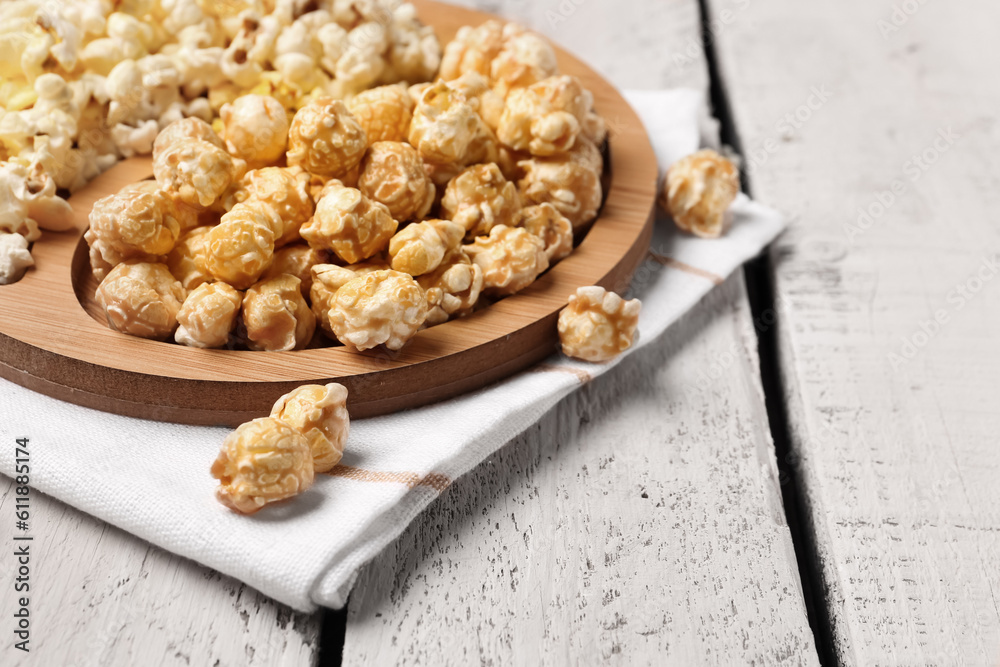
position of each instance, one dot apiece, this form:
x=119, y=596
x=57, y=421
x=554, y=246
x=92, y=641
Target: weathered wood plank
x=100, y=596
x=640, y=522
x=888, y=340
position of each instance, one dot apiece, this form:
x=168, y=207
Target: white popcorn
x=14, y=258
x=133, y=36
x=135, y=140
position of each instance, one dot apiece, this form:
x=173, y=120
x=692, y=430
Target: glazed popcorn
x=208, y=315
x=476, y=89
x=141, y=299
x=261, y=462
x=511, y=259
x=187, y=260
x=453, y=288
x=350, y=224
x=570, y=182
x=382, y=307
x=14, y=257
x=198, y=171
x=326, y=280
x=320, y=414
x=546, y=117
x=256, y=129
x=393, y=174
x=384, y=113
x=240, y=248
x=480, y=198
x=524, y=59
x=325, y=139
x=276, y=316
x=422, y=246
x=446, y=130
x=282, y=194
x=698, y=190
x=296, y=260
x=597, y=325
x=552, y=227
x=186, y=128
x=472, y=50
x=138, y=222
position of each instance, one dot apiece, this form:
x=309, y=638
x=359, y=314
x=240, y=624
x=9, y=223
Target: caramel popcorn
x=141, y=299
x=187, y=260
x=197, y=170
x=277, y=317
x=453, y=288
x=256, y=129
x=546, y=117
x=14, y=258
x=240, y=247
x=208, y=315
x=447, y=130
x=597, y=325
x=393, y=174
x=511, y=259
x=480, y=198
x=349, y=224
x=135, y=223
x=325, y=139
x=261, y=462
x=570, y=182
x=296, y=260
x=524, y=59
x=476, y=89
x=283, y=195
x=181, y=130
x=697, y=191
x=384, y=113
x=382, y=307
x=552, y=227
x=326, y=280
x=472, y=50
x=320, y=414
x=422, y=246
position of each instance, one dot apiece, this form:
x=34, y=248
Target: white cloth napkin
x=152, y=479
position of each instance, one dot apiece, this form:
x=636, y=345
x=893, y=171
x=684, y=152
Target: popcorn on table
x=597, y=325
x=698, y=190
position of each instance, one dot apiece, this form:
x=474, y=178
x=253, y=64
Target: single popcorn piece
x=240, y=247
x=480, y=198
x=453, y=288
x=552, y=227
x=141, y=299
x=208, y=315
x=597, y=325
x=137, y=222
x=446, y=129
x=296, y=260
x=276, y=315
x=326, y=280
x=546, y=117
x=14, y=258
x=384, y=113
x=698, y=190
x=325, y=139
x=422, y=246
x=319, y=413
x=524, y=59
x=570, y=182
x=393, y=174
x=187, y=260
x=382, y=307
x=261, y=462
x=283, y=195
x=511, y=259
x=256, y=129
x=197, y=170
x=476, y=89
x=350, y=224
x=187, y=128
x=472, y=50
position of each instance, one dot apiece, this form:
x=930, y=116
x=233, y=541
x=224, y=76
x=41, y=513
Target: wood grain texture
x=76, y=358
x=100, y=596
x=888, y=334
x=640, y=522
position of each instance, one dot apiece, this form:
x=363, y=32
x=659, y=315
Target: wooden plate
x=49, y=342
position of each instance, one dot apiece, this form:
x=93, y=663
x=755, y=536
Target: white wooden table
x=651, y=518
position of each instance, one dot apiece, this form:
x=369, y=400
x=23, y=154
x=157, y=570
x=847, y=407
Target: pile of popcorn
x=367, y=219
x=85, y=83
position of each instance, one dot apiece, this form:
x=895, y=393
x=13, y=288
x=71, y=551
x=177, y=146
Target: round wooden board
x=49, y=342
